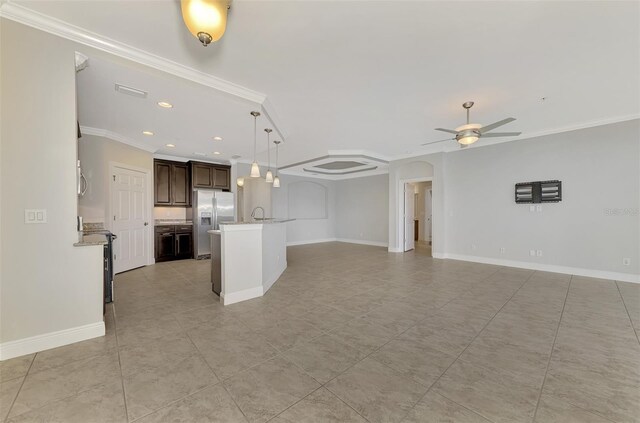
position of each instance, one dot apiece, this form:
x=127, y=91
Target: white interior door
x=427, y=214
x=129, y=221
x=409, y=214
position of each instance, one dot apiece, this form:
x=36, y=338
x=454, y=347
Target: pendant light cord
x=255, y=136
x=268, y=151
x=276, y=159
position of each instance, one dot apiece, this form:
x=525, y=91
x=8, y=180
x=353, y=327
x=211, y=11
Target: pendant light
x=276, y=179
x=255, y=169
x=269, y=176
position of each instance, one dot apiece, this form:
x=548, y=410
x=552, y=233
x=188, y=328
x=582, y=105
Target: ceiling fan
x=471, y=132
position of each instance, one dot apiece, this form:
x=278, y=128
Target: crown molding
x=26, y=16
x=88, y=130
x=525, y=136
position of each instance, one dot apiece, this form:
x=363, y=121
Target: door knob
x=146, y=223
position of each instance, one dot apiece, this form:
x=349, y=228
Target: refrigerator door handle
x=214, y=222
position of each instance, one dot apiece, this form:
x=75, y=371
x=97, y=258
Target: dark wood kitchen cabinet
x=172, y=183
x=184, y=245
x=173, y=242
x=165, y=243
x=209, y=175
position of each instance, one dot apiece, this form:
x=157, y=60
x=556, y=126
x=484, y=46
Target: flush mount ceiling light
x=165, y=105
x=206, y=19
x=170, y=145
x=217, y=153
x=276, y=179
x=147, y=132
x=255, y=169
x=217, y=138
x=269, y=176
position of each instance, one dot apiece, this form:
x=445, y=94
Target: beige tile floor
x=348, y=334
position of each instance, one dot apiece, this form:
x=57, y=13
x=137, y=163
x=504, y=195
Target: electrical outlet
x=626, y=261
x=532, y=208
x=539, y=253
x=474, y=247
x=532, y=253
x=503, y=250
x=539, y=208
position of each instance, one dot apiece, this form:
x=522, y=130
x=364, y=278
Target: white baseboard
x=395, y=250
x=363, y=242
x=577, y=271
x=50, y=340
x=245, y=294
x=269, y=282
x=311, y=241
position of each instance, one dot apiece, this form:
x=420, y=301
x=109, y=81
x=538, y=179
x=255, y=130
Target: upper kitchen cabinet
x=207, y=175
x=203, y=175
x=172, y=183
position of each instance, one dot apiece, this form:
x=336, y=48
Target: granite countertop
x=91, y=239
x=260, y=222
x=160, y=222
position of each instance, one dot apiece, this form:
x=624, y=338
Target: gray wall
x=95, y=153
x=362, y=209
x=308, y=227
x=599, y=169
x=47, y=284
x=594, y=227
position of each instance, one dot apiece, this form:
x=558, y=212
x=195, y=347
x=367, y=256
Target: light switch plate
x=35, y=216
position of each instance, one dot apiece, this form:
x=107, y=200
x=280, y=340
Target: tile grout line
x=471, y=342
x=401, y=333
x=324, y=385
x=115, y=329
x=555, y=338
x=627, y=310
x=220, y=379
x=20, y=388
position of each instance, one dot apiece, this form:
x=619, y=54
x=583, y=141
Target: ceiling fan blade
x=451, y=131
x=493, y=126
x=435, y=142
x=501, y=134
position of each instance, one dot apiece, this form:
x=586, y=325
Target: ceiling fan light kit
x=205, y=19
x=469, y=133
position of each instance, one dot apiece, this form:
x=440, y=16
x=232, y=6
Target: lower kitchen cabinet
x=173, y=243
x=184, y=245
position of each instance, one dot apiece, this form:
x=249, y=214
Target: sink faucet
x=253, y=213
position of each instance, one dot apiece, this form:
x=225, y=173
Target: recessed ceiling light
x=170, y=145
x=217, y=138
x=165, y=104
x=147, y=132
x=217, y=153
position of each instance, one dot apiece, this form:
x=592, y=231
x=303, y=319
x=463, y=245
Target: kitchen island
x=247, y=258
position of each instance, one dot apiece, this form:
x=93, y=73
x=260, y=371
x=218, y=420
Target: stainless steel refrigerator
x=211, y=207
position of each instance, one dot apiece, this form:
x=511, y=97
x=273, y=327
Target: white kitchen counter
x=253, y=256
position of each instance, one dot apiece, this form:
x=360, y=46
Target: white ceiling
x=378, y=76
x=198, y=115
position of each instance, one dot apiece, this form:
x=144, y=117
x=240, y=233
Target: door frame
x=148, y=180
x=400, y=208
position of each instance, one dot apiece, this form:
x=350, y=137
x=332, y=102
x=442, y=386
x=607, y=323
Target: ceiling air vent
x=123, y=89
